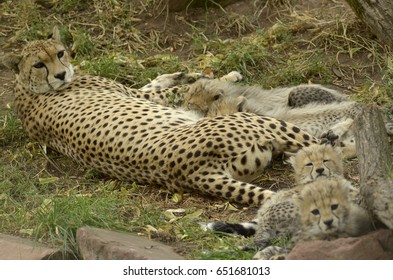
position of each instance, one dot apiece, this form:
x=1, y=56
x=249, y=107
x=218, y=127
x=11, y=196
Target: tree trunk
x=375, y=164
x=377, y=14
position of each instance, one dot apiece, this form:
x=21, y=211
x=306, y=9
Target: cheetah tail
x=246, y=229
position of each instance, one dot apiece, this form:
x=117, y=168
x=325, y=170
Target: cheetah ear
x=218, y=94
x=291, y=159
x=241, y=102
x=297, y=198
x=55, y=34
x=11, y=61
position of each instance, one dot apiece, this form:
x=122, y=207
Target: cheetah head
x=43, y=66
x=316, y=161
x=201, y=95
x=227, y=105
x=324, y=207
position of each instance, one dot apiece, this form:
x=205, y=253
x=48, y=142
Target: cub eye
x=39, y=65
x=334, y=206
x=325, y=160
x=216, y=97
x=309, y=164
x=315, y=212
x=60, y=54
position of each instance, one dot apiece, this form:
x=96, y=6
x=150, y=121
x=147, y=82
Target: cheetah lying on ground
x=204, y=92
x=102, y=125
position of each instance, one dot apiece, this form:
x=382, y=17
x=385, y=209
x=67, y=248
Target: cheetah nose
x=320, y=170
x=60, y=75
x=328, y=222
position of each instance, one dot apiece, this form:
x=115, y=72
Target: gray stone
x=377, y=245
x=16, y=248
x=101, y=244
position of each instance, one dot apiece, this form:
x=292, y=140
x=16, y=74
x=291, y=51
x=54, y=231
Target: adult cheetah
x=101, y=124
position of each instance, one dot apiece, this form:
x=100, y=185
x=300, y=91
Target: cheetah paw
x=329, y=138
x=233, y=76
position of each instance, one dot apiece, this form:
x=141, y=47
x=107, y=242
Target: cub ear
x=55, y=34
x=291, y=158
x=241, y=102
x=218, y=94
x=297, y=198
x=11, y=61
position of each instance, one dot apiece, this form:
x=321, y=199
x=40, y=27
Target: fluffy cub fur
x=321, y=209
x=309, y=163
x=261, y=101
x=315, y=161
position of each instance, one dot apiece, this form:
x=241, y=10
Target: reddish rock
x=101, y=244
x=16, y=248
x=377, y=245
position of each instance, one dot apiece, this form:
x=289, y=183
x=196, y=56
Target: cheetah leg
x=389, y=128
x=263, y=237
x=348, y=148
x=226, y=187
x=249, y=166
x=337, y=132
x=233, y=76
x=272, y=253
x=342, y=128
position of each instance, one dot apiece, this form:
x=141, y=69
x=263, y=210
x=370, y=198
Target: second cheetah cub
x=321, y=209
x=315, y=161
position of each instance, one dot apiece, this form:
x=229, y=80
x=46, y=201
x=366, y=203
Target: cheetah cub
x=204, y=92
x=316, y=161
x=309, y=163
x=321, y=209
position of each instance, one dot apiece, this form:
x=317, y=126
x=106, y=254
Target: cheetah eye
x=309, y=164
x=216, y=97
x=315, y=212
x=39, y=65
x=325, y=160
x=334, y=206
x=60, y=54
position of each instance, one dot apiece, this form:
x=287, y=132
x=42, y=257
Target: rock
x=101, y=244
x=377, y=245
x=16, y=248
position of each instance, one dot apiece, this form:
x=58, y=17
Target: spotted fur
x=321, y=209
x=261, y=101
x=104, y=125
x=309, y=163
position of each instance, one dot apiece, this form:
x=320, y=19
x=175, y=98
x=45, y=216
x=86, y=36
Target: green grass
x=11, y=130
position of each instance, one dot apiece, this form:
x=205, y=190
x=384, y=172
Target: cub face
x=43, y=65
x=227, y=105
x=324, y=207
x=201, y=95
x=316, y=161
